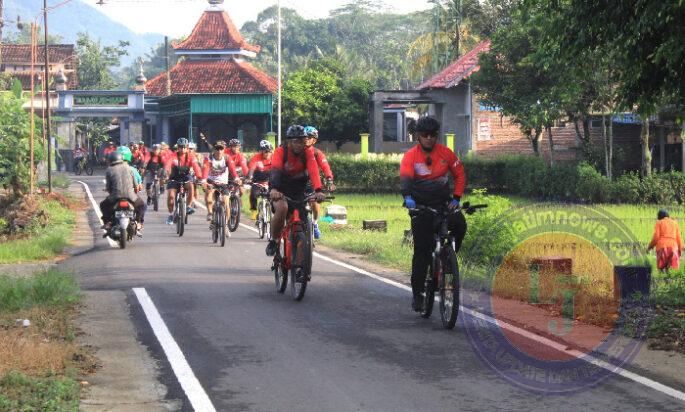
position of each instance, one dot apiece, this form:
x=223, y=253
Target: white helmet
x=192, y=145
x=265, y=145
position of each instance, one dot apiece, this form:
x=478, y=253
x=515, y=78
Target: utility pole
x=166, y=60
x=2, y=24
x=47, y=95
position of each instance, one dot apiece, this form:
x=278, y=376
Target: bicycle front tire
x=449, y=288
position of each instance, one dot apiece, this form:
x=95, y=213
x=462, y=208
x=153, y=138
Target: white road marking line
x=96, y=208
x=184, y=374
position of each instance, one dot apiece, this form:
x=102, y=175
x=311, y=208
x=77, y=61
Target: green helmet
x=125, y=153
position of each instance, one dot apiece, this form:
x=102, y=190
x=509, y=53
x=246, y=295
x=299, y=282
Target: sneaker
x=253, y=215
x=191, y=211
x=271, y=248
x=209, y=217
x=317, y=232
x=170, y=220
x=139, y=226
x=149, y=201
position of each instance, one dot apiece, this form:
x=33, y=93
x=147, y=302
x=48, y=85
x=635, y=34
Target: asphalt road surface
x=353, y=344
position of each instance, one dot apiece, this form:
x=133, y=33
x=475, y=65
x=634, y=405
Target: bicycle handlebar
x=466, y=208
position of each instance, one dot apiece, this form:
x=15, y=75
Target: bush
x=378, y=174
x=591, y=186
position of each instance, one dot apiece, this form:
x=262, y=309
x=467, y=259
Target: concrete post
x=135, y=131
x=271, y=137
x=364, y=145
x=662, y=148
x=377, y=127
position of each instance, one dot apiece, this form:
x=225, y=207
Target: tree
x=96, y=62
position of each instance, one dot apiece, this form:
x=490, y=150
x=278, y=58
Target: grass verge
x=40, y=360
x=44, y=238
x=59, y=180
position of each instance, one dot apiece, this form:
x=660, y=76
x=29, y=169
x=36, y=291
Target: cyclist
x=107, y=151
x=424, y=178
x=292, y=166
x=154, y=164
x=177, y=166
x=258, y=173
x=166, y=152
x=143, y=148
x=234, y=152
x=200, y=158
x=322, y=162
x=138, y=203
x=218, y=169
x=78, y=154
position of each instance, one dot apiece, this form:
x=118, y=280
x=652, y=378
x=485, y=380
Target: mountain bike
x=180, y=209
x=235, y=205
x=218, y=223
x=264, y=211
x=294, y=256
x=84, y=164
x=443, y=272
x=153, y=194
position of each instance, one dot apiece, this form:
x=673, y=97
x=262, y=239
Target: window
x=596, y=124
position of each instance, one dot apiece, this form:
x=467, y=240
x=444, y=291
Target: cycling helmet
x=156, y=147
x=142, y=143
x=295, y=132
x=125, y=153
x=265, y=146
x=311, y=132
x=115, y=158
x=234, y=142
x=192, y=145
x=182, y=142
x=428, y=125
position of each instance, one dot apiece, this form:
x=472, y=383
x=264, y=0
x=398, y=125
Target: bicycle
x=180, y=209
x=444, y=269
x=82, y=165
x=153, y=194
x=296, y=238
x=235, y=205
x=218, y=223
x=264, y=211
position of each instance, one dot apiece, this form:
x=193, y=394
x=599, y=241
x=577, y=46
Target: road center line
x=184, y=374
x=96, y=208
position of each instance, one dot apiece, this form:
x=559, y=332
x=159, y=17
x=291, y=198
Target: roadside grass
x=41, y=241
x=40, y=363
x=59, y=180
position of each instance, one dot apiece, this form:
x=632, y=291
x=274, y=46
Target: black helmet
x=662, y=214
x=295, y=132
x=182, y=142
x=233, y=143
x=115, y=157
x=428, y=125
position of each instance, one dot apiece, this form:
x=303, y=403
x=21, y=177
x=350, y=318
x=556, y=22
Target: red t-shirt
x=427, y=180
x=323, y=164
x=296, y=171
x=260, y=167
x=239, y=160
x=176, y=167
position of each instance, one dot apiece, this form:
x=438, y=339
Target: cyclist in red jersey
x=292, y=167
x=233, y=151
x=424, y=175
x=325, y=167
x=177, y=167
x=154, y=164
x=260, y=166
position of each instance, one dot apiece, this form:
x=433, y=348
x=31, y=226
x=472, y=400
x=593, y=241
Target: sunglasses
x=219, y=148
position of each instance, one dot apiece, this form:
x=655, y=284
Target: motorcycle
x=124, y=227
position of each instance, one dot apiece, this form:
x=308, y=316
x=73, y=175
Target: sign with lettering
x=484, y=129
x=100, y=101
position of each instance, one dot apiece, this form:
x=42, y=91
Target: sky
x=178, y=17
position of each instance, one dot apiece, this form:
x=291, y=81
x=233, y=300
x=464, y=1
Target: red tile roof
x=215, y=31
x=461, y=69
x=212, y=76
x=21, y=53
x=25, y=79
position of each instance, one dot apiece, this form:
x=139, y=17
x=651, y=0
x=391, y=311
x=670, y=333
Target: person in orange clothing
x=667, y=241
x=424, y=177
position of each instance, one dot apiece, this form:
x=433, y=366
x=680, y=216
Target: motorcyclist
x=119, y=185
x=138, y=202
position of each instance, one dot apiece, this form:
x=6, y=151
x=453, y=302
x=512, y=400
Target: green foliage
x=369, y=176
x=19, y=392
x=96, y=62
x=15, y=129
x=324, y=97
x=16, y=88
x=45, y=289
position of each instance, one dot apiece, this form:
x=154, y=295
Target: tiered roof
x=212, y=76
x=215, y=31
x=461, y=69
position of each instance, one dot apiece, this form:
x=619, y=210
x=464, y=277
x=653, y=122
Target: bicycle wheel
x=267, y=220
x=299, y=286
x=89, y=168
x=155, y=196
x=280, y=270
x=429, y=288
x=235, y=213
x=181, y=221
x=215, y=223
x=222, y=225
x=78, y=170
x=449, y=288
x=260, y=222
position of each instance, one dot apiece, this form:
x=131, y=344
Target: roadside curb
x=83, y=238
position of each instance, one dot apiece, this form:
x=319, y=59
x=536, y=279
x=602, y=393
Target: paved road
x=352, y=345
